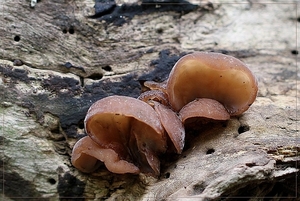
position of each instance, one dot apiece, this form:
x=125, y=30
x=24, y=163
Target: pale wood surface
x=44, y=101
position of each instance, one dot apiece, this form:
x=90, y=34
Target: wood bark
x=58, y=57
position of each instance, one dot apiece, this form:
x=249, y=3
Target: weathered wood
x=59, y=57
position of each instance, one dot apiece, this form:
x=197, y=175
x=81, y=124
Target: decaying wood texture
x=58, y=57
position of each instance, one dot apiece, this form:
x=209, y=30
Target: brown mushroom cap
x=206, y=108
x=86, y=157
x=215, y=76
x=130, y=127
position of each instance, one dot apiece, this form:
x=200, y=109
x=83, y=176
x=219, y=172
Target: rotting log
x=58, y=57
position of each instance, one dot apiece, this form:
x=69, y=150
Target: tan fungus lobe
x=204, y=108
x=87, y=154
x=172, y=125
x=130, y=127
x=214, y=76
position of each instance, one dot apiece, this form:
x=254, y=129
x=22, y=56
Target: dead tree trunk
x=58, y=57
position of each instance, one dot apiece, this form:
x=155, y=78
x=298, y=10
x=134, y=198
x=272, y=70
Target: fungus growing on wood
x=154, y=95
x=131, y=128
x=129, y=134
x=214, y=76
x=168, y=118
x=204, y=108
x=87, y=154
x=172, y=125
x=156, y=86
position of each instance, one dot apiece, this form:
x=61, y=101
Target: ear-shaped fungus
x=87, y=154
x=156, y=86
x=129, y=134
x=204, y=108
x=154, y=95
x=172, y=125
x=129, y=127
x=214, y=76
x=168, y=118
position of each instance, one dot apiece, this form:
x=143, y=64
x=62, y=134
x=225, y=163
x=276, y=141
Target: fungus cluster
x=128, y=135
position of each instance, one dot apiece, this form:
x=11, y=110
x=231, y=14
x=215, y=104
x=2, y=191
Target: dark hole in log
x=159, y=31
x=17, y=38
x=198, y=189
x=107, y=68
x=81, y=124
x=210, y=151
x=71, y=30
x=96, y=76
x=52, y=181
x=243, y=128
x=295, y=52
